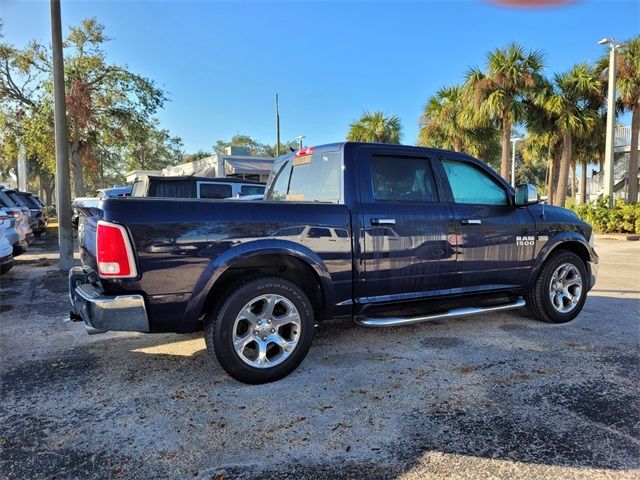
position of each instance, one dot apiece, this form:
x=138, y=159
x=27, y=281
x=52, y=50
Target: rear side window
x=7, y=201
x=312, y=178
x=31, y=203
x=215, y=190
x=470, y=185
x=17, y=199
x=280, y=183
x=403, y=179
x=251, y=190
x=172, y=189
x=318, y=232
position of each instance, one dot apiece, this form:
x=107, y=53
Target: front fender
x=553, y=244
x=240, y=252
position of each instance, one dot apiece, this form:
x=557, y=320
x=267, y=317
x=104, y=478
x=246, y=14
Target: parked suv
x=6, y=248
x=37, y=210
x=19, y=232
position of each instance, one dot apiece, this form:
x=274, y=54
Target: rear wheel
x=263, y=330
x=559, y=292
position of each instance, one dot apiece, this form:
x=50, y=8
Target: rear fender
x=226, y=260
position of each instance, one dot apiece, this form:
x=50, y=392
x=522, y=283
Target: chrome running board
x=458, y=312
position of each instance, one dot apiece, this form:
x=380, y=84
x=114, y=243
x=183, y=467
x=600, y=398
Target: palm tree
x=499, y=93
x=628, y=86
x=444, y=126
x=450, y=125
x=588, y=150
x=573, y=103
x=543, y=140
x=376, y=127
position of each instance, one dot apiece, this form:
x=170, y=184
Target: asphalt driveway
x=493, y=396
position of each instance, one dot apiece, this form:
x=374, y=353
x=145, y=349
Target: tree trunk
x=583, y=181
x=505, y=165
x=46, y=184
x=572, y=180
x=565, y=164
x=76, y=170
x=550, y=187
x=457, y=144
x=632, y=188
x=555, y=171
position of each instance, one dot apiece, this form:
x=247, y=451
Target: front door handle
x=383, y=221
x=470, y=221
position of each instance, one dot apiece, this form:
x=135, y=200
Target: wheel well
x=285, y=266
x=577, y=248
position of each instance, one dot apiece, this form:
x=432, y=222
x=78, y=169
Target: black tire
x=538, y=299
x=220, y=323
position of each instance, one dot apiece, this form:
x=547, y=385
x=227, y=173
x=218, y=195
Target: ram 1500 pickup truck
x=382, y=234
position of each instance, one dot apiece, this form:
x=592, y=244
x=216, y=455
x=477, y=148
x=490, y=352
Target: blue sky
x=222, y=62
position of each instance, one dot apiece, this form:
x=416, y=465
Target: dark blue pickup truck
x=382, y=234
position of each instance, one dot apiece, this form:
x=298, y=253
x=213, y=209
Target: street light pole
x=611, y=119
x=63, y=192
x=277, y=127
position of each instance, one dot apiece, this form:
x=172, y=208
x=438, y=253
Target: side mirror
x=526, y=194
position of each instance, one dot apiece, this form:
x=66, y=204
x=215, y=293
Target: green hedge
x=621, y=218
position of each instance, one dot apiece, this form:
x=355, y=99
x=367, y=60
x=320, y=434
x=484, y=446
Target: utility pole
x=277, y=127
x=63, y=191
x=611, y=119
x=22, y=169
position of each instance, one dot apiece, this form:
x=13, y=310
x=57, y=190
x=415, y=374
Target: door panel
x=495, y=242
x=406, y=230
x=490, y=256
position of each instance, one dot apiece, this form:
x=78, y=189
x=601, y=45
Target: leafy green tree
x=573, y=102
x=194, y=157
x=105, y=102
x=255, y=147
x=376, y=127
x=151, y=148
x=543, y=140
x=499, y=94
x=449, y=125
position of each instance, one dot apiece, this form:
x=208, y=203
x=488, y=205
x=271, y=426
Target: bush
x=621, y=218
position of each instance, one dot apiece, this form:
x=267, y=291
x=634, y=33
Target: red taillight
x=113, y=252
x=304, y=151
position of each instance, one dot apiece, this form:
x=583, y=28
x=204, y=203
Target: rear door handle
x=383, y=221
x=470, y=221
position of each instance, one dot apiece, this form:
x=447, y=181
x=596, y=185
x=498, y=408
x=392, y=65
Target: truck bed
x=180, y=243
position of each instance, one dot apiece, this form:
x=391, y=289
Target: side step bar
x=458, y=312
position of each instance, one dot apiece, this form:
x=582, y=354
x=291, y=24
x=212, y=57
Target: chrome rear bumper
x=102, y=313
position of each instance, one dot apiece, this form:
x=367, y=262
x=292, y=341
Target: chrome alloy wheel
x=266, y=331
x=565, y=288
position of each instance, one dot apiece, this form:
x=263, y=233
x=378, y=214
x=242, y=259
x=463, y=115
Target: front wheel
x=560, y=290
x=263, y=330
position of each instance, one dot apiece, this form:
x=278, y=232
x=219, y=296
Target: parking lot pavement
x=493, y=396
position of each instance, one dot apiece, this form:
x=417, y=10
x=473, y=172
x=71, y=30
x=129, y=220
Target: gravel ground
x=494, y=396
